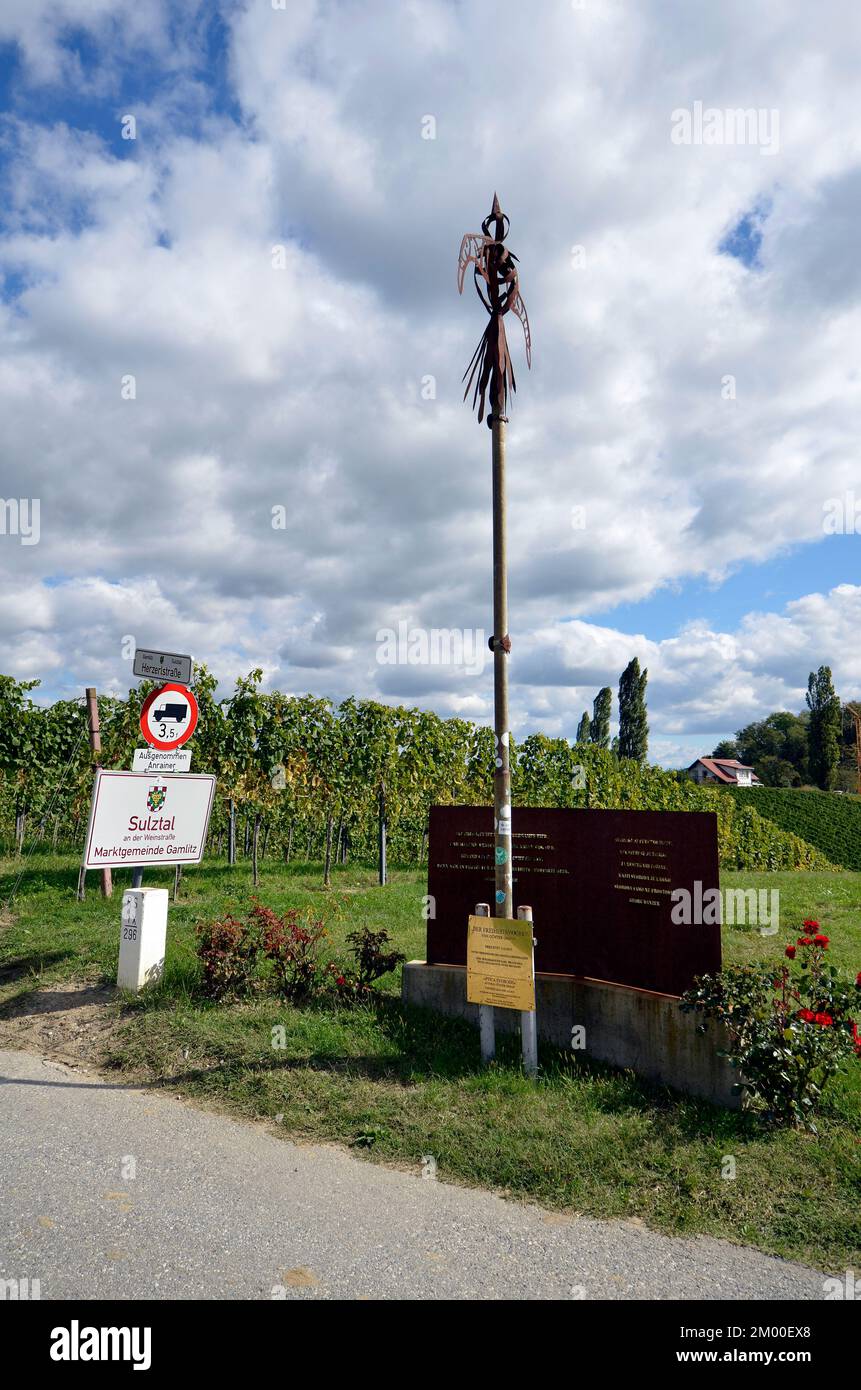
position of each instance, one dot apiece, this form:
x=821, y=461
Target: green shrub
x=229, y=952
x=789, y=1029
x=233, y=955
x=294, y=952
x=373, y=956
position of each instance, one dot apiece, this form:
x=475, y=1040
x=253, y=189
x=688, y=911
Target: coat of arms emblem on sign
x=156, y=798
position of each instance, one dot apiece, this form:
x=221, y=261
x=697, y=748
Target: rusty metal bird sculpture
x=491, y=367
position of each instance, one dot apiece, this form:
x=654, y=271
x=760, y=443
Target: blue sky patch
x=744, y=240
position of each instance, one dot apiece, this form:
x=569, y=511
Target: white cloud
x=300, y=387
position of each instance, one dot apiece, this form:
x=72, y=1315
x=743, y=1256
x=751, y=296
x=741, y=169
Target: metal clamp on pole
x=486, y=1025
x=529, y=1020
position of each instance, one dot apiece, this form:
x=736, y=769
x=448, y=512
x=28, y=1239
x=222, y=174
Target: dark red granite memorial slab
x=599, y=884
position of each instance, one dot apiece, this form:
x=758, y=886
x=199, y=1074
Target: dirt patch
x=71, y=1020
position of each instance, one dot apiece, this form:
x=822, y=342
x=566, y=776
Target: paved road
x=221, y=1209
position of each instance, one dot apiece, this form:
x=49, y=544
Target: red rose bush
x=789, y=1029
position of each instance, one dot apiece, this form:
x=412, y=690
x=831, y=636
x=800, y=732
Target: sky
x=231, y=349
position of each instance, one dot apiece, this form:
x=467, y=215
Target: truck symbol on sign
x=170, y=712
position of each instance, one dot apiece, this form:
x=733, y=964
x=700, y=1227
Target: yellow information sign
x=500, y=967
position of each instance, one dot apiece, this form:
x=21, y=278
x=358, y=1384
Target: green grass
x=400, y=1083
x=834, y=900
x=54, y=932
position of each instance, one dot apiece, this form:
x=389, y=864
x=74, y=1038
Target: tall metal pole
x=504, y=906
x=494, y=270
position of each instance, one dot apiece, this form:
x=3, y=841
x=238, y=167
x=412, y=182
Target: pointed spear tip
x=496, y=210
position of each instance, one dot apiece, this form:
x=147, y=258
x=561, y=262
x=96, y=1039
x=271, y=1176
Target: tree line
x=303, y=779
x=325, y=780
x=294, y=772
x=632, y=740
x=816, y=747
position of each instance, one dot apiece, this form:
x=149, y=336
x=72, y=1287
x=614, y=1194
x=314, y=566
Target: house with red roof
x=728, y=771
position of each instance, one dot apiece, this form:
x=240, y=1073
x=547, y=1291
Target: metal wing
x=519, y=308
x=471, y=253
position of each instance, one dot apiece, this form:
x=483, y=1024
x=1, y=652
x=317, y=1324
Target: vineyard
x=828, y=820
x=299, y=778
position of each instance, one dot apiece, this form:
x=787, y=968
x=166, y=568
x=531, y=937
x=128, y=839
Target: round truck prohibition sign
x=169, y=716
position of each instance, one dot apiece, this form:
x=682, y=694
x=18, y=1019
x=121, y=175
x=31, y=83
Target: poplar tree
x=633, y=723
x=583, y=728
x=826, y=722
x=599, y=730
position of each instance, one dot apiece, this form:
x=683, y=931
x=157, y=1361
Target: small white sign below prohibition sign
x=154, y=760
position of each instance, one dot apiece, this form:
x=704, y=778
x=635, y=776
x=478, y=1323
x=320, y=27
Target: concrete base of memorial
x=624, y=1027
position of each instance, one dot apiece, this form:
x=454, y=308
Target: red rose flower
x=824, y=1020
x=805, y=941
x=790, y=951
x=821, y=941
x=806, y=1015
x=810, y=923
x=858, y=979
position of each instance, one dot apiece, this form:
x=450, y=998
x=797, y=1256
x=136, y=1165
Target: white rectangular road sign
x=148, y=818
x=156, y=760
x=162, y=666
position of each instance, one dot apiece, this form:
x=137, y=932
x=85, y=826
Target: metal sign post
x=486, y=1022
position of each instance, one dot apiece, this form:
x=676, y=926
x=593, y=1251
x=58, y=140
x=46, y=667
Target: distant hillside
x=828, y=820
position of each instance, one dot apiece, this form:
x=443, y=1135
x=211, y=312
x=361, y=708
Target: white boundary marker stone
x=143, y=934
